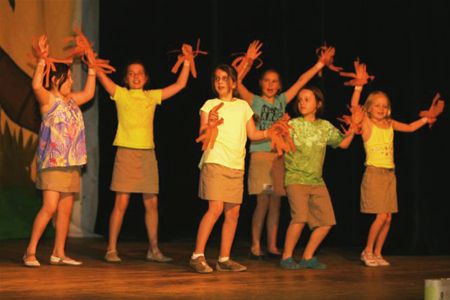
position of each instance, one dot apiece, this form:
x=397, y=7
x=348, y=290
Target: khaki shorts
x=135, y=171
x=221, y=183
x=266, y=174
x=379, y=191
x=310, y=204
x=64, y=179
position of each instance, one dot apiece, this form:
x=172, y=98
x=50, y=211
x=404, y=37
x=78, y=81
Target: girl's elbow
x=36, y=86
x=182, y=85
x=345, y=145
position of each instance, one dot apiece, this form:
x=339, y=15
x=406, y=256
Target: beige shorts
x=221, y=183
x=379, y=191
x=310, y=204
x=266, y=174
x=64, y=179
x=135, y=171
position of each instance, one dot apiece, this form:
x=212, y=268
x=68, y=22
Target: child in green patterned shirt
x=309, y=199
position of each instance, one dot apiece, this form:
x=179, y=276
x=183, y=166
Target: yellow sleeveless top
x=380, y=148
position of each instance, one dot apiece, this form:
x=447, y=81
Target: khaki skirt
x=266, y=174
x=221, y=183
x=379, y=191
x=135, y=171
x=61, y=179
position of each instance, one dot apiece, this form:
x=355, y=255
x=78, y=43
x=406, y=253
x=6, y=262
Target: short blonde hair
x=371, y=98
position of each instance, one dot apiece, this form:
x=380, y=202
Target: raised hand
x=436, y=108
x=360, y=77
x=83, y=49
x=326, y=56
x=40, y=50
x=187, y=53
x=243, y=63
x=253, y=51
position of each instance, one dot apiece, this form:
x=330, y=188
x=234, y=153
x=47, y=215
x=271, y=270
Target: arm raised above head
x=180, y=84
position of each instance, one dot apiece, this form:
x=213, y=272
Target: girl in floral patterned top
x=60, y=154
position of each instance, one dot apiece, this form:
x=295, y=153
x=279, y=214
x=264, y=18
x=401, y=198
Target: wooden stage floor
x=345, y=278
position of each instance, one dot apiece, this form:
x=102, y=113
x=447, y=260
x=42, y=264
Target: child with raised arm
x=308, y=195
x=135, y=166
x=222, y=168
x=379, y=184
x=61, y=151
x=266, y=171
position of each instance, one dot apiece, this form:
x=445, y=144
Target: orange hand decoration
x=244, y=61
x=210, y=131
x=40, y=50
x=189, y=55
x=83, y=49
x=326, y=56
x=360, y=77
x=279, y=134
x=436, y=108
x=354, y=121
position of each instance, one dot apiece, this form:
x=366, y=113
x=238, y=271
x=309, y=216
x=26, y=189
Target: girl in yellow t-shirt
x=378, y=186
x=135, y=166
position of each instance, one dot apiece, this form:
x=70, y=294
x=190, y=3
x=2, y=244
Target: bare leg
x=151, y=220
x=62, y=223
x=315, y=239
x=374, y=231
x=207, y=223
x=382, y=235
x=48, y=209
x=262, y=205
x=272, y=224
x=115, y=221
x=229, y=228
x=292, y=236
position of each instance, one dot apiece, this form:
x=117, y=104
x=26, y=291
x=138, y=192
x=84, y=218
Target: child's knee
x=388, y=219
x=49, y=210
x=326, y=228
x=383, y=217
x=232, y=215
x=215, y=211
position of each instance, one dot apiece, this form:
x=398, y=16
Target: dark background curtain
x=404, y=46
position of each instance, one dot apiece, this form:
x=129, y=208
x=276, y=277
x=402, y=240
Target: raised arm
x=244, y=93
x=326, y=55
x=253, y=52
x=89, y=89
x=180, y=84
x=107, y=83
x=356, y=96
x=43, y=96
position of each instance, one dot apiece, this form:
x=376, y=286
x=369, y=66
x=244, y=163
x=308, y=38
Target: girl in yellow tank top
x=378, y=136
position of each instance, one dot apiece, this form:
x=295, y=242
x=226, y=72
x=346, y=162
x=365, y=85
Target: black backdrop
x=402, y=42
